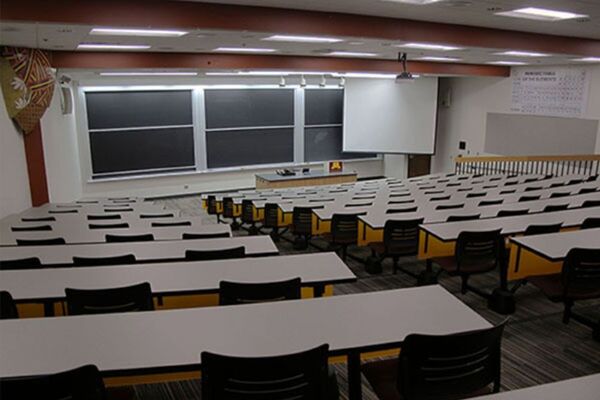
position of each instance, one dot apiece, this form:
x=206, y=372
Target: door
x=419, y=164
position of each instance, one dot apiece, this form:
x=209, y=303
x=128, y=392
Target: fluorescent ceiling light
x=448, y=59
x=244, y=50
x=137, y=32
x=305, y=39
x=506, y=63
x=418, y=2
x=149, y=73
x=588, y=59
x=106, y=46
x=428, y=46
x=350, y=54
x=517, y=53
x=541, y=14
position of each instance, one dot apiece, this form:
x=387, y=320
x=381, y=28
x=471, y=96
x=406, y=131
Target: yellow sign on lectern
x=336, y=166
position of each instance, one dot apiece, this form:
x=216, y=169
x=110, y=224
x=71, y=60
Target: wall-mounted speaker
x=66, y=100
x=446, y=98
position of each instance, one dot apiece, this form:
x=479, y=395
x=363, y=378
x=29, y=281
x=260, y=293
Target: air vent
x=458, y=3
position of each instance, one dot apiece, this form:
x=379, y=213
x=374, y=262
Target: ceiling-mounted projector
x=404, y=76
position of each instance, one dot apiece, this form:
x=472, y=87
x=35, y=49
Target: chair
x=512, y=213
x=507, y=191
x=123, y=225
x=271, y=220
x=63, y=211
x=23, y=263
x=556, y=184
x=114, y=300
x=211, y=207
x=529, y=198
x=38, y=219
x=118, y=210
x=302, y=376
x=8, y=307
x=229, y=212
x=578, y=280
x=101, y=261
x=490, y=202
x=587, y=190
x=31, y=228
x=220, y=254
x=574, y=182
x=532, y=188
x=148, y=237
x=555, y=207
x=101, y=217
x=559, y=194
x=154, y=216
x=344, y=232
x=591, y=223
x=475, y=252
x=40, y=242
x=456, y=218
x=401, y=210
x=449, y=206
x=591, y=203
x=479, y=194
x=400, y=239
x=231, y=293
x=301, y=227
x=191, y=236
x=454, y=366
x=170, y=224
x=542, y=229
x=248, y=217
x=83, y=383
x=440, y=198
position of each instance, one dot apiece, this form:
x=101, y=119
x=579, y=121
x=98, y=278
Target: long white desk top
x=510, y=225
x=176, y=278
x=135, y=342
x=584, y=388
x=59, y=212
x=80, y=233
x=143, y=251
x=555, y=246
x=133, y=219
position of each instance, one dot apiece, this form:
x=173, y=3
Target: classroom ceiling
x=465, y=12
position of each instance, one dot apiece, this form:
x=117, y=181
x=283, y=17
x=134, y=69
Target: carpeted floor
x=537, y=347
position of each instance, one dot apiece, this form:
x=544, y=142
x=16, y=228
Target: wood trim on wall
x=194, y=15
x=36, y=167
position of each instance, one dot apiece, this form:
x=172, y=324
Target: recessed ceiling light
x=350, y=54
x=588, y=59
x=305, y=39
x=106, y=46
x=149, y=73
x=506, y=63
x=518, y=53
x=418, y=2
x=445, y=59
x=137, y=32
x=428, y=46
x=244, y=50
x=541, y=14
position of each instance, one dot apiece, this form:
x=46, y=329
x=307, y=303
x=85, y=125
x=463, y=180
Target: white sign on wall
x=560, y=92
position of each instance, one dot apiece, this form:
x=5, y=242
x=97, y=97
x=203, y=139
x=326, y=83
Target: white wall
x=14, y=181
x=471, y=99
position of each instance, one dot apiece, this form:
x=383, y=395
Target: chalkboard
x=322, y=144
x=128, y=109
x=133, y=150
x=249, y=147
x=323, y=106
x=238, y=108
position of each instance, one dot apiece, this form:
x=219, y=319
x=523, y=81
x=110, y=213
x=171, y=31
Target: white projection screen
x=382, y=116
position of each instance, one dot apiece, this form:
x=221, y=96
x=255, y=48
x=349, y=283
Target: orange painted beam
x=36, y=168
x=192, y=15
x=116, y=60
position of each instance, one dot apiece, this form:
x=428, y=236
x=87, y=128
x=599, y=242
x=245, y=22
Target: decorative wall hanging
x=27, y=81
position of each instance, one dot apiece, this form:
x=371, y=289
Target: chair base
x=300, y=243
x=595, y=325
x=426, y=278
x=373, y=265
x=502, y=301
x=235, y=226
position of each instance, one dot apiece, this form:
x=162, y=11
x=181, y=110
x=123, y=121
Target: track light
x=282, y=82
x=302, y=81
x=342, y=82
x=323, y=82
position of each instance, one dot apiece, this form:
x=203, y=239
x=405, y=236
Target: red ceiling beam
x=192, y=15
x=112, y=60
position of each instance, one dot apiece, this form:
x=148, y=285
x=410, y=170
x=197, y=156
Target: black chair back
x=450, y=366
x=591, y=203
x=301, y=376
x=587, y=190
x=478, y=194
x=101, y=217
x=221, y=254
x=63, y=211
x=490, y=202
x=591, y=223
x=22, y=263
x=581, y=274
x=555, y=207
x=559, y=194
x=302, y=220
x=118, y=210
x=38, y=219
x=83, y=383
x=455, y=218
x=228, y=207
x=148, y=237
x=123, y=225
x=114, y=300
x=153, y=216
x=512, y=213
x=401, y=210
x=556, y=184
x=271, y=215
x=8, y=307
x=190, y=236
x=31, y=228
x=211, y=205
x=40, y=242
x=483, y=249
x=402, y=237
x=101, y=261
x=344, y=228
x=247, y=211
x=449, y=206
x=529, y=198
x=532, y=188
x=440, y=198
x=243, y=293
x=542, y=229
x=170, y=224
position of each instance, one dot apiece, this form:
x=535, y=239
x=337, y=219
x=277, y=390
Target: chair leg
x=395, y=260
x=464, y=288
x=567, y=312
x=275, y=234
x=344, y=252
x=235, y=226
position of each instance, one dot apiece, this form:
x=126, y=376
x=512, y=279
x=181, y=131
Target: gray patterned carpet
x=537, y=347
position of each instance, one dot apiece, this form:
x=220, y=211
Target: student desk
x=304, y=179
x=47, y=285
x=127, y=344
x=544, y=254
x=584, y=388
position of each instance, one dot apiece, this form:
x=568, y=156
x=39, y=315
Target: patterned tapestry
x=27, y=81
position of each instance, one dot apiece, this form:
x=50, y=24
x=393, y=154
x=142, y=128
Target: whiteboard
x=381, y=116
x=552, y=91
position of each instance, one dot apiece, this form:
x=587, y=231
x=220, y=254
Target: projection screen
x=381, y=116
